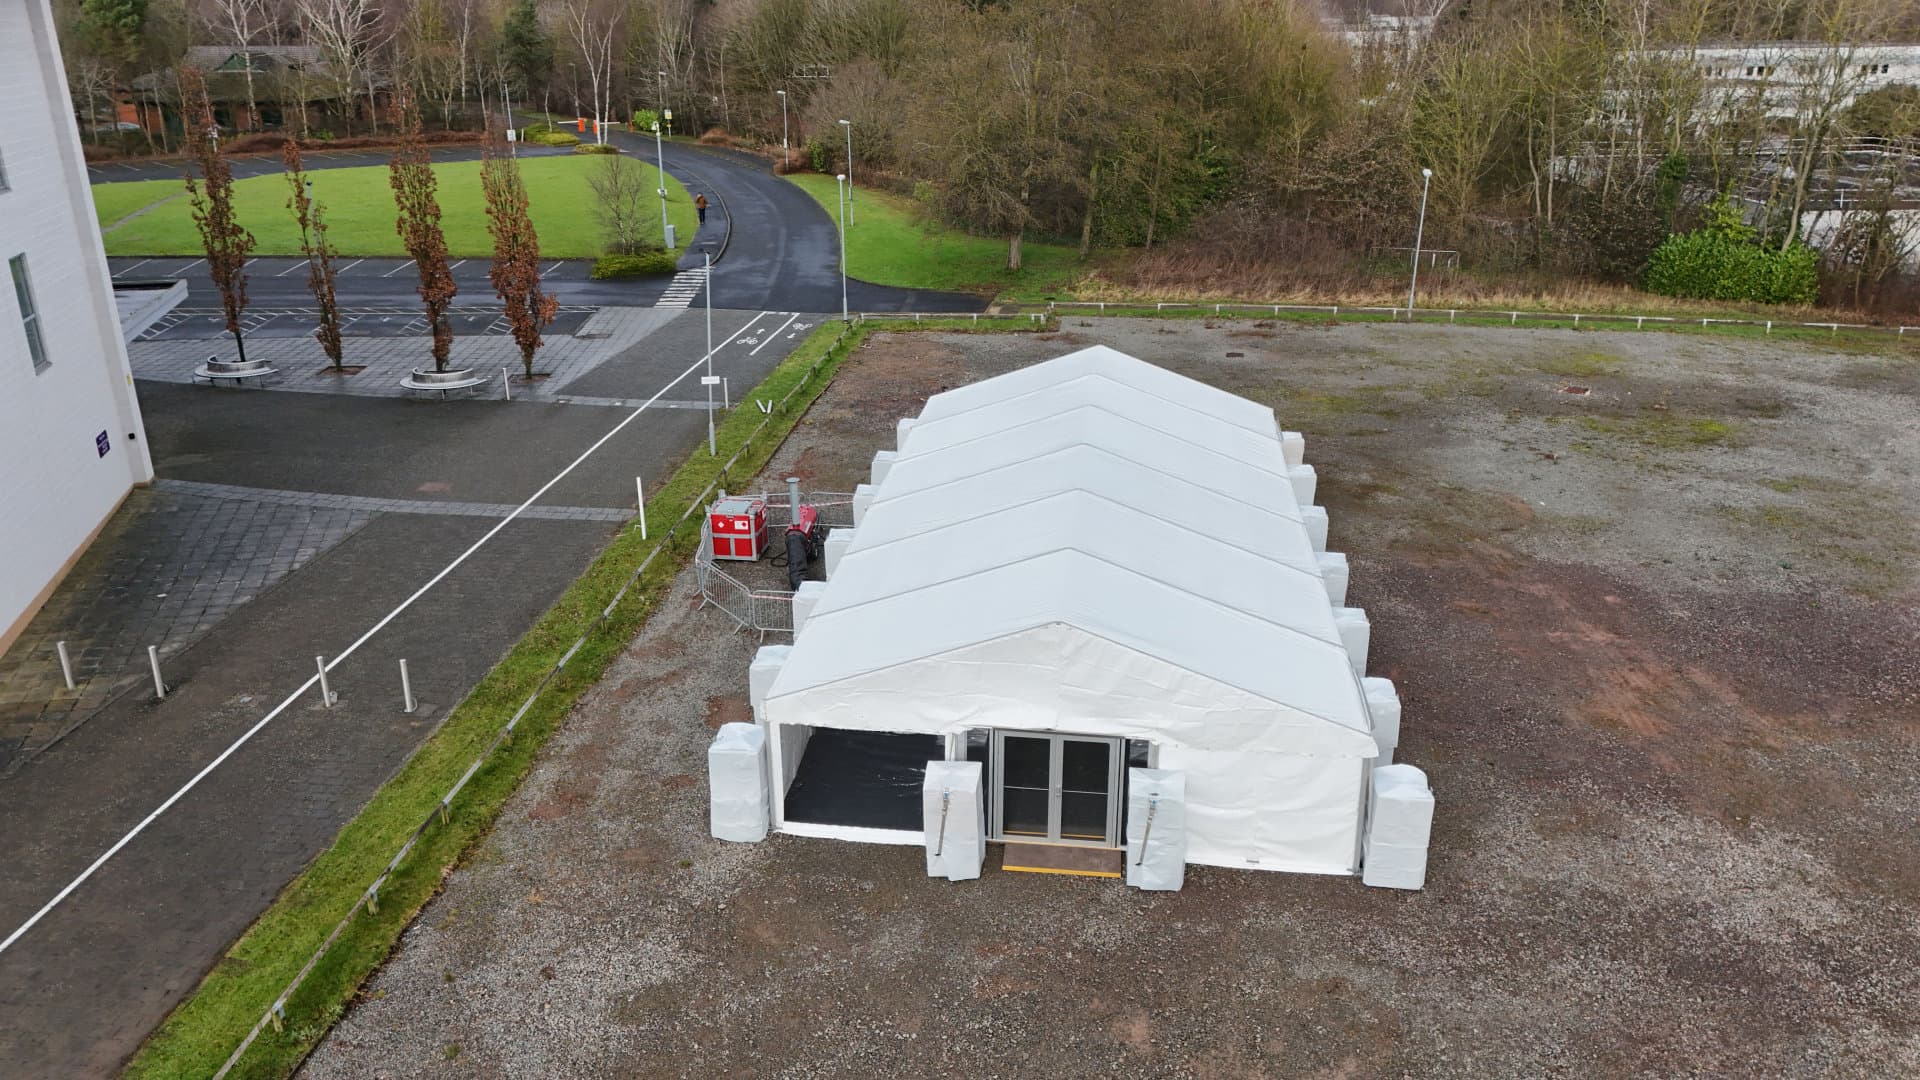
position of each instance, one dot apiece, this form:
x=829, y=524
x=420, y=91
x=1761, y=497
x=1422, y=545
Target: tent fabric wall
x=1095, y=545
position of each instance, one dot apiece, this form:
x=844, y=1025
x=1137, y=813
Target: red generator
x=739, y=527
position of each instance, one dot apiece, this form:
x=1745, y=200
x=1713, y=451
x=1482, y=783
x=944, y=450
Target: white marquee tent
x=1084, y=564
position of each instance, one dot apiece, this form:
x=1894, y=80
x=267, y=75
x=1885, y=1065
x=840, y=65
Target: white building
x=1078, y=580
x=70, y=429
x=1784, y=77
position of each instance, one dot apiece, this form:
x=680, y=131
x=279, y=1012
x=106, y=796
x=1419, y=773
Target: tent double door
x=1060, y=788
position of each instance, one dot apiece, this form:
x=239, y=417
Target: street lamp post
x=840, y=182
x=661, y=151
x=783, y=119
x=848, y=124
x=1419, y=234
x=660, y=92
x=713, y=447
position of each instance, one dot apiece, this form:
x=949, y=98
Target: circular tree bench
x=443, y=381
x=232, y=371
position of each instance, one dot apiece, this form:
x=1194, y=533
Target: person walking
x=700, y=204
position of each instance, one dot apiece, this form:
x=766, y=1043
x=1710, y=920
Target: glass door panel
x=1026, y=769
x=1056, y=787
x=1086, y=778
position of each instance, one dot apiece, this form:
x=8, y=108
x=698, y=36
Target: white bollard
x=326, y=695
x=726, y=395
x=406, y=687
x=153, y=661
x=506, y=387
x=640, y=500
x=66, y=664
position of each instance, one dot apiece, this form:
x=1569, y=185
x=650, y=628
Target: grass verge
x=199, y=1035
x=360, y=211
x=890, y=244
x=111, y=202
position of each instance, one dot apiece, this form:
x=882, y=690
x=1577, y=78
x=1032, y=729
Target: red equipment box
x=739, y=527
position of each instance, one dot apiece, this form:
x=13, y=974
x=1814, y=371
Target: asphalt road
x=81, y=989
x=774, y=248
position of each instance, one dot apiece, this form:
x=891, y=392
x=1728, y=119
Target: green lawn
x=890, y=244
x=360, y=213
x=111, y=202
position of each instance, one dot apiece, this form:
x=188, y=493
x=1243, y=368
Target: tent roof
x=1094, y=527
x=1090, y=425
x=988, y=419
x=1117, y=366
x=1302, y=678
x=1149, y=492
x=1088, y=541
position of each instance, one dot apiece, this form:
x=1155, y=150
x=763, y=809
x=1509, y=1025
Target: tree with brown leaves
x=516, y=249
x=227, y=244
x=312, y=219
x=415, y=195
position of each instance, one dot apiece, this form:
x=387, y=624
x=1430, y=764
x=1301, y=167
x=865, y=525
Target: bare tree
x=622, y=192
x=319, y=252
x=239, y=21
x=227, y=244
x=416, y=197
x=515, y=272
x=350, y=34
x=592, y=30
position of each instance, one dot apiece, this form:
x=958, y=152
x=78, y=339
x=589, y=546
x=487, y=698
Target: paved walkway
x=303, y=367
x=170, y=565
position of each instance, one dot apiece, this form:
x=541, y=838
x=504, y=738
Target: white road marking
x=349, y=651
x=187, y=267
x=291, y=269
x=349, y=266
x=775, y=334
x=128, y=269
x=397, y=269
x=551, y=269
x=457, y=265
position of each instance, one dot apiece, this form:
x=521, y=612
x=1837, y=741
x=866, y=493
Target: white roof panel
x=987, y=419
x=1086, y=425
x=1252, y=526
x=1078, y=521
x=1111, y=364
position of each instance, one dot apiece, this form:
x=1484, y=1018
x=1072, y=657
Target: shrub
x=534, y=131
x=644, y=119
x=820, y=154
x=555, y=138
x=595, y=148
x=1724, y=260
x=644, y=264
x=716, y=136
x=257, y=142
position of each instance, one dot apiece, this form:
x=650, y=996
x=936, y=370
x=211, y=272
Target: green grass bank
x=360, y=211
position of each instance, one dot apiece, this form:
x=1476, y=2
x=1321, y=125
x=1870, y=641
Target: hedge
x=1725, y=260
x=644, y=264
x=596, y=148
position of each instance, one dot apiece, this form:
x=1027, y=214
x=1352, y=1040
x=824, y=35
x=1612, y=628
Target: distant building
x=70, y=430
x=1781, y=73
x=294, y=86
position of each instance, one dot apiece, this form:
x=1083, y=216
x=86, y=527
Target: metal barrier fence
x=1452, y=315
x=764, y=610
x=276, y=1013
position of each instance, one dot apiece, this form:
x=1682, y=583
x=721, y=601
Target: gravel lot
x=1657, y=647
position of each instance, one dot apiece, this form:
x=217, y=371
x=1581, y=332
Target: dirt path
x=142, y=212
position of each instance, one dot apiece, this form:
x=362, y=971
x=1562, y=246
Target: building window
x=29, y=315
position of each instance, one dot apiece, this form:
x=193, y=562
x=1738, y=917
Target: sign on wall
x=100, y=443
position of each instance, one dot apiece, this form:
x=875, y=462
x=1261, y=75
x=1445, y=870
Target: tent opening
x=868, y=779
